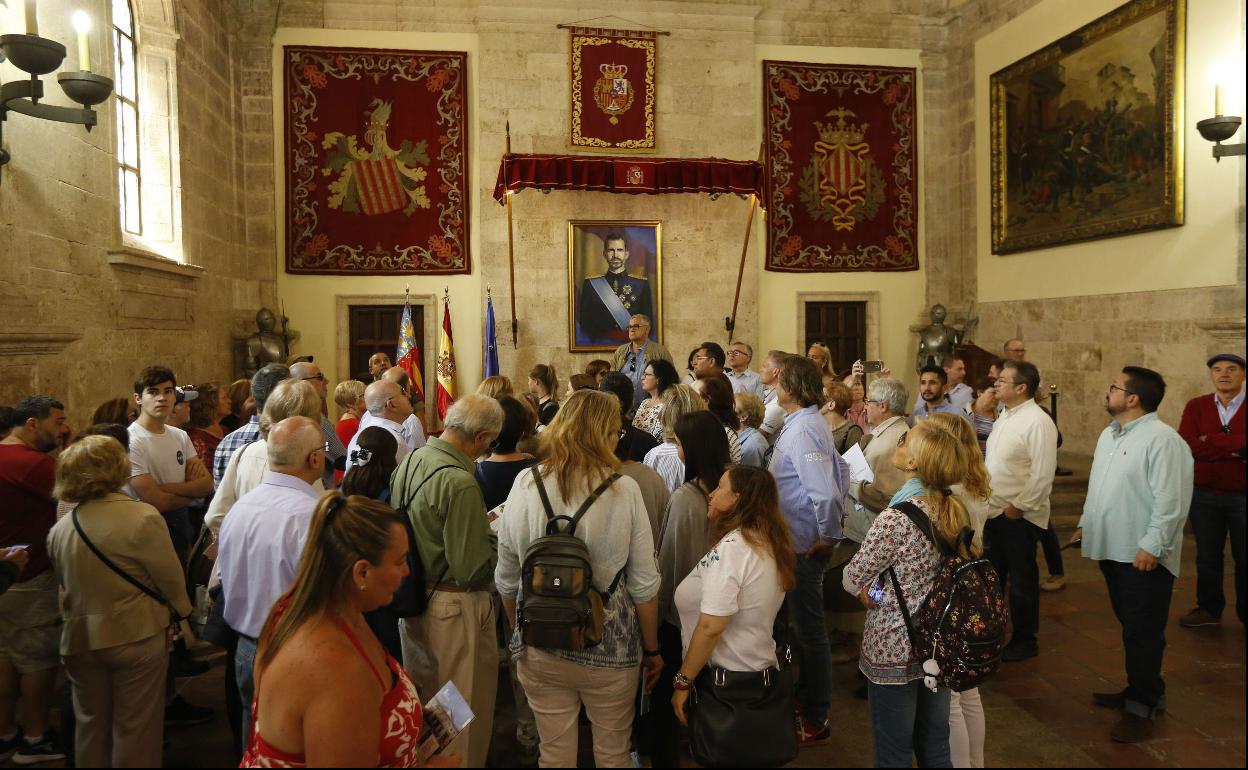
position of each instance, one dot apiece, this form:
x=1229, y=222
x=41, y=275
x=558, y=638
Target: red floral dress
x=401, y=722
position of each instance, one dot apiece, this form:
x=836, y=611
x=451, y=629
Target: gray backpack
x=559, y=608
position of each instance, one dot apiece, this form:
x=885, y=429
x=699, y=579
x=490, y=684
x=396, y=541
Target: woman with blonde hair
x=821, y=354
x=967, y=727
x=291, y=398
x=934, y=460
x=349, y=396
x=750, y=411
x=544, y=384
x=496, y=387
x=837, y=397
x=118, y=667
x=580, y=465
x=327, y=693
x=678, y=400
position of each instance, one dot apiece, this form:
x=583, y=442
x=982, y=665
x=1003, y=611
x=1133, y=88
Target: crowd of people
x=710, y=520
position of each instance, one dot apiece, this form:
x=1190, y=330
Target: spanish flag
x=446, y=362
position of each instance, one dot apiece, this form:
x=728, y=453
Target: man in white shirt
x=263, y=537
x=743, y=378
x=415, y=430
x=769, y=377
x=387, y=408
x=1021, y=460
x=165, y=472
x=306, y=371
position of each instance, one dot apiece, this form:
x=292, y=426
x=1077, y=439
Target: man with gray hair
x=743, y=378
x=387, y=407
x=886, y=415
x=306, y=371
x=436, y=489
x=262, y=540
x=631, y=357
x=262, y=384
x=415, y=430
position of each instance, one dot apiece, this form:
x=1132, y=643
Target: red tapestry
x=376, y=161
x=612, y=89
x=841, y=168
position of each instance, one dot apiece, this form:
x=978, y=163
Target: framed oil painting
x=614, y=273
x=1087, y=133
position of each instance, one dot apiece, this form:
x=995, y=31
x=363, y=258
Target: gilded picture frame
x=1087, y=132
x=614, y=272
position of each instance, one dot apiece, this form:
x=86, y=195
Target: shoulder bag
x=175, y=620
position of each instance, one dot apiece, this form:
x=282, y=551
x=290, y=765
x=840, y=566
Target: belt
x=455, y=588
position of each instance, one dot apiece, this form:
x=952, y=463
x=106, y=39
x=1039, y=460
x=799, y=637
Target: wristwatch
x=681, y=682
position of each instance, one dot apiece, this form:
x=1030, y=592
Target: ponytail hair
x=344, y=531
x=941, y=461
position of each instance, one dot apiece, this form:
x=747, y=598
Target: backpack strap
x=574, y=519
x=407, y=523
x=920, y=520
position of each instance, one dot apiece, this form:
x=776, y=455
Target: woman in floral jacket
x=906, y=718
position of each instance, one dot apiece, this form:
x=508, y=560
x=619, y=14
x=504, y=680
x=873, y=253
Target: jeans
x=244, y=665
x=1052, y=551
x=909, y=720
x=1213, y=516
x=179, y=523
x=805, y=606
x=1141, y=602
x=1011, y=547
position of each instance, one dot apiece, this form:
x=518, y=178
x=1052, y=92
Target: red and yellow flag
x=446, y=362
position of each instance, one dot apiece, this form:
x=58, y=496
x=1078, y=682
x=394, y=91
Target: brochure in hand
x=447, y=714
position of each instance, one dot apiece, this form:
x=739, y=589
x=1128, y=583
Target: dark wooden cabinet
x=375, y=328
x=842, y=326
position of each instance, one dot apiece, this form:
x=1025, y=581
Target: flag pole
x=730, y=323
x=511, y=254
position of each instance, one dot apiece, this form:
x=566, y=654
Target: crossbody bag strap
x=126, y=576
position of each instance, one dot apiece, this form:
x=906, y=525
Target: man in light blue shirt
x=932, y=396
x=262, y=540
x=740, y=375
x=812, y=480
x=1138, y=498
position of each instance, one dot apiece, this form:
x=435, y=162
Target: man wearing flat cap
x=1213, y=426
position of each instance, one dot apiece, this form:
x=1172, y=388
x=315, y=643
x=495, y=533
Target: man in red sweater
x=1213, y=426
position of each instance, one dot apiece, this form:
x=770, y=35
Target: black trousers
x=1052, y=551
x=1141, y=602
x=659, y=732
x=1011, y=547
x=1213, y=517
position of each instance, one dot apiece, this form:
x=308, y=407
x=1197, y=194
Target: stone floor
x=1039, y=712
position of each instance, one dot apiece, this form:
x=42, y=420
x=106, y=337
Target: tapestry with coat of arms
x=841, y=167
x=376, y=145
x=612, y=86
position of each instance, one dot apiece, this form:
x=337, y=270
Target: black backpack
x=412, y=598
x=558, y=607
x=963, y=620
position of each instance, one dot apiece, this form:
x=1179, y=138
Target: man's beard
x=1114, y=411
x=46, y=441
x=936, y=399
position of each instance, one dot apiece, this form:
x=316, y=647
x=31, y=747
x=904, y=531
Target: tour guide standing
x=812, y=480
x=457, y=551
x=631, y=357
x=1138, y=497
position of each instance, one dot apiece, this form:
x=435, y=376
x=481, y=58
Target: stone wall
x=82, y=312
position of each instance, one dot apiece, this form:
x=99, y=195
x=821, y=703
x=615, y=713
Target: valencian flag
x=446, y=361
x=491, y=338
x=408, y=356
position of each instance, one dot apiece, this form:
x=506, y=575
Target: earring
x=360, y=587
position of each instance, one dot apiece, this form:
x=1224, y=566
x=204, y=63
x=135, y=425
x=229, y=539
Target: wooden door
x=375, y=328
x=842, y=326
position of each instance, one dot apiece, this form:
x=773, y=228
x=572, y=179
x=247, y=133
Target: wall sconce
x=40, y=56
x=1220, y=128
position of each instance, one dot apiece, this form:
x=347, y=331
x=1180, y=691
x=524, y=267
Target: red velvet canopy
x=652, y=176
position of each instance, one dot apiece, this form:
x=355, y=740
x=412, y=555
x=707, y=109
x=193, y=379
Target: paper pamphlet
x=494, y=515
x=859, y=468
x=447, y=714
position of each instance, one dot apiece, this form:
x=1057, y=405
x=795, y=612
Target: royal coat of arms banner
x=376, y=148
x=841, y=168
x=612, y=87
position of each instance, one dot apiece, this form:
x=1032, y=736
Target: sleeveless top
x=401, y=722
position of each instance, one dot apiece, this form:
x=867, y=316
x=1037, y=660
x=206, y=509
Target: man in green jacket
x=435, y=488
x=631, y=357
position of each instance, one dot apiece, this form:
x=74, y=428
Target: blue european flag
x=491, y=340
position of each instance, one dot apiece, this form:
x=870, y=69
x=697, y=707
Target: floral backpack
x=960, y=629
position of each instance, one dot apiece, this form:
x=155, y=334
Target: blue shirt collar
x=275, y=479
x=1235, y=402
x=788, y=418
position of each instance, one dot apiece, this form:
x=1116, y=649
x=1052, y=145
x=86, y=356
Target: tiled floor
x=1039, y=712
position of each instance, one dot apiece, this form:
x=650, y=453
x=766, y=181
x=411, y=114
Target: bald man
x=308, y=372
x=387, y=406
x=262, y=539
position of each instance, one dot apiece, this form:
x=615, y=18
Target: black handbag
x=742, y=718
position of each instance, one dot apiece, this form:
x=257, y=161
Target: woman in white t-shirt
x=728, y=604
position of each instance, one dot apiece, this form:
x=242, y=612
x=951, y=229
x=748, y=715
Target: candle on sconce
x=82, y=25
x=32, y=22
x=1217, y=99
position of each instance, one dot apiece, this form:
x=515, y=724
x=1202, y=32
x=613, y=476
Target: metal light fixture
x=40, y=56
x=1220, y=128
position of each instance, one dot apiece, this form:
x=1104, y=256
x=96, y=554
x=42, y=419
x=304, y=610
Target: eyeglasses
x=1003, y=381
x=1114, y=386
x=737, y=353
x=869, y=401
x=902, y=441
x=701, y=358
x=636, y=326
x=318, y=376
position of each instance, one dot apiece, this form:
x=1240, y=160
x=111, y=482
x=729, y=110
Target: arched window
x=127, y=118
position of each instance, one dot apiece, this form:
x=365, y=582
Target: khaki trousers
x=119, y=702
x=457, y=632
x=556, y=690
